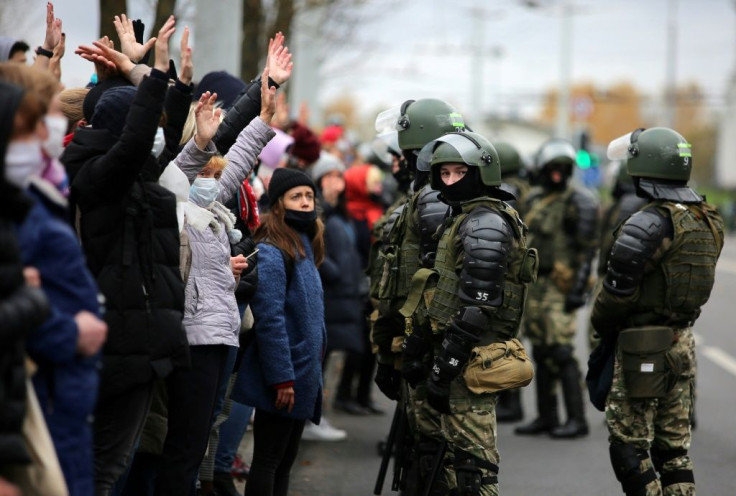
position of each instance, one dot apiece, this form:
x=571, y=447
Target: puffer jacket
x=130, y=235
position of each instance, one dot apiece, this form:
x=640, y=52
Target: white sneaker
x=322, y=432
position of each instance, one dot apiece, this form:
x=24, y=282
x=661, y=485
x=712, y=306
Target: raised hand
x=207, y=118
x=128, y=43
x=268, y=98
x=53, y=29
x=186, y=66
x=162, y=44
x=281, y=117
x=55, y=62
x=107, y=60
x=279, y=60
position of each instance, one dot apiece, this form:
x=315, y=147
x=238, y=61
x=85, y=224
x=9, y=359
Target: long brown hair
x=40, y=87
x=274, y=230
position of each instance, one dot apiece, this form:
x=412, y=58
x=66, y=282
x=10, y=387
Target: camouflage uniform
x=661, y=271
x=661, y=425
x=563, y=226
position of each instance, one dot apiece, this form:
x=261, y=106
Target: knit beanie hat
x=227, y=87
x=306, y=144
x=112, y=109
x=96, y=92
x=283, y=180
x=327, y=163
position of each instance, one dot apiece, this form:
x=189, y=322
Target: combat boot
x=576, y=425
x=546, y=403
x=508, y=408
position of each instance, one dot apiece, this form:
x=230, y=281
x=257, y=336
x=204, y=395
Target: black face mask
x=302, y=221
x=467, y=188
x=403, y=179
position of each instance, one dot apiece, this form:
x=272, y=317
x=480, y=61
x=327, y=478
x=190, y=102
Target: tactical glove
x=388, y=380
x=438, y=394
x=413, y=368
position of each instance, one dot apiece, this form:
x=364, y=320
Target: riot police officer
x=482, y=269
x=660, y=273
x=407, y=244
x=563, y=226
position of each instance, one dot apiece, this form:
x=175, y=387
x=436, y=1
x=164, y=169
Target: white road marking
x=721, y=358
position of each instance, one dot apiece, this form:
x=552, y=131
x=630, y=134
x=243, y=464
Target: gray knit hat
x=327, y=162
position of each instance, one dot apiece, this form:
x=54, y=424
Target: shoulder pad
x=487, y=239
x=390, y=223
x=628, y=205
x=584, y=199
x=636, y=242
x=586, y=215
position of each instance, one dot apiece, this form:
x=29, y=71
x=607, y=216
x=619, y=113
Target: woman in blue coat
x=281, y=371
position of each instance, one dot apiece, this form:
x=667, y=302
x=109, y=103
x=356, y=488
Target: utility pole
x=562, y=127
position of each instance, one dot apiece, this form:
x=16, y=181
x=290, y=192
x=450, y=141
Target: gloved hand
x=438, y=394
x=413, y=368
x=573, y=301
x=388, y=380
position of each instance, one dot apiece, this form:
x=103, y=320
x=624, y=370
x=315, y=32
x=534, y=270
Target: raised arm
x=243, y=154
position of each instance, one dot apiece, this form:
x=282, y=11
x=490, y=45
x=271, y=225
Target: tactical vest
x=399, y=258
x=674, y=293
x=545, y=218
x=506, y=318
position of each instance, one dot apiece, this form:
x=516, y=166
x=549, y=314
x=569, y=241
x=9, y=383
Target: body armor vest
x=545, y=216
x=504, y=319
x=674, y=293
x=431, y=213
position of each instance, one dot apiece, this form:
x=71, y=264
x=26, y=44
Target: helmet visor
x=424, y=156
x=465, y=146
x=387, y=121
x=618, y=149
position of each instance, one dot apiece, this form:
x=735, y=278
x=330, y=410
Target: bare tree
x=108, y=10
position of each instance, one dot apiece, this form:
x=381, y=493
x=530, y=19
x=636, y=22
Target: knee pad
x=469, y=475
x=626, y=461
x=668, y=478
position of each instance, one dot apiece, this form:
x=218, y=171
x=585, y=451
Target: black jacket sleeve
x=114, y=173
x=176, y=106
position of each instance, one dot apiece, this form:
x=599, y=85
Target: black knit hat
x=283, y=180
x=112, y=109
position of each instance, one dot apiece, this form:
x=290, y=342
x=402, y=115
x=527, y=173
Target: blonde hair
x=217, y=162
x=71, y=101
x=190, y=126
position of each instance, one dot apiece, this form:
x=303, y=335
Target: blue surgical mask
x=159, y=142
x=204, y=191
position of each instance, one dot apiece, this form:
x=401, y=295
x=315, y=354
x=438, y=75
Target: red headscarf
x=359, y=203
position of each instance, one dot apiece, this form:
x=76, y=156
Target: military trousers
x=659, y=423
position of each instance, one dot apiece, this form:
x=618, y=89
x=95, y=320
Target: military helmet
x=467, y=148
x=555, y=151
x=509, y=157
x=660, y=153
x=421, y=121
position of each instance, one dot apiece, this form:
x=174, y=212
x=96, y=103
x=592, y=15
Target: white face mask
x=159, y=142
x=56, y=126
x=23, y=160
x=204, y=191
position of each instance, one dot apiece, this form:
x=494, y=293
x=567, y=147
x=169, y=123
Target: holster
x=650, y=369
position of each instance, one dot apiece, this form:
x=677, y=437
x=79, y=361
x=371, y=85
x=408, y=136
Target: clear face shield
x=621, y=148
x=387, y=122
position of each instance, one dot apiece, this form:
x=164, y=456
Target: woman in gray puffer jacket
x=211, y=316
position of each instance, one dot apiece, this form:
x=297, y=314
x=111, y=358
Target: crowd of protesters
x=162, y=239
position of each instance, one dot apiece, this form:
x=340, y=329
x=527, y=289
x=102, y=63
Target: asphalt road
x=542, y=466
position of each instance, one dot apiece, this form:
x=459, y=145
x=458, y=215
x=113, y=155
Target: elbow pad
x=635, y=244
x=487, y=241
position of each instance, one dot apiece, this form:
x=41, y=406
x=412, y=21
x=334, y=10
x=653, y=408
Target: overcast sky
x=421, y=48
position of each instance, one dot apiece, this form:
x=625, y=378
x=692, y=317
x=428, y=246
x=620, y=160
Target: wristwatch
x=46, y=53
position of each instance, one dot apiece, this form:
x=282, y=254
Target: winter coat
x=130, y=235
x=289, y=339
x=66, y=383
x=22, y=308
x=211, y=312
x=342, y=279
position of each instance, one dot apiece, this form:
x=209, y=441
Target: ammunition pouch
x=529, y=266
x=650, y=369
x=498, y=366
